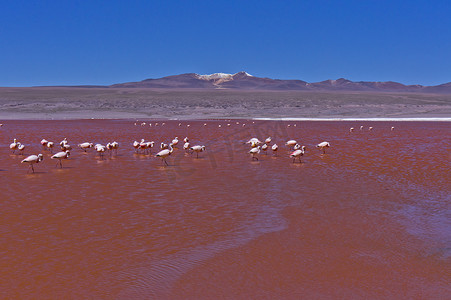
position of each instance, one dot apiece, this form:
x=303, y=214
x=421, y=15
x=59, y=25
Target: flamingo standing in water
x=64, y=141
x=13, y=146
x=197, y=149
x=254, y=152
x=164, y=146
x=291, y=143
x=351, y=129
x=392, y=128
x=33, y=159
x=60, y=156
x=175, y=141
x=136, y=145
x=274, y=149
x=44, y=143
x=100, y=149
x=298, y=154
x=115, y=146
x=254, y=141
x=264, y=148
x=85, y=146
x=186, y=146
x=268, y=141
x=21, y=148
x=165, y=153
x=50, y=146
x=323, y=146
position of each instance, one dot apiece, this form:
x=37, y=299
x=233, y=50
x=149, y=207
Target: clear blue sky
x=106, y=42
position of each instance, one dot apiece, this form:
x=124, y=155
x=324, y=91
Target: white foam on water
x=355, y=119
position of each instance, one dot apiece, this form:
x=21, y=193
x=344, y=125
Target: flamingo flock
x=296, y=151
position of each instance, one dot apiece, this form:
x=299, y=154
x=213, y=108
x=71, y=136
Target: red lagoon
x=368, y=219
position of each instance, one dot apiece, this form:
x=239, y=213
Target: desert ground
x=124, y=103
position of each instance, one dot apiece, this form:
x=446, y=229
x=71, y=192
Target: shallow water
x=370, y=218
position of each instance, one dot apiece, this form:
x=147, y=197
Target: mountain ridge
x=244, y=81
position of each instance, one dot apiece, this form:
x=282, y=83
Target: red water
x=369, y=219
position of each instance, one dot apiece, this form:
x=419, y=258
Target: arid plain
x=80, y=103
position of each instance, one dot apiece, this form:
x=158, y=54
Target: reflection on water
x=127, y=226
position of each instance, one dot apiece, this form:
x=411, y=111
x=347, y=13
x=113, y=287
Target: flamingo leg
x=61, y=164
x=164, y=159
x=31, y=168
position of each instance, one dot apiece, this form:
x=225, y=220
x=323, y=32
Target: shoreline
x=85, y=103
x=136, y=117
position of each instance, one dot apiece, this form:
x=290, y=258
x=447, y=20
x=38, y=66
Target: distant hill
x=245, y=81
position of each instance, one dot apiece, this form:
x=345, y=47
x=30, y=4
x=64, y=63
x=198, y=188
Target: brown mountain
x=244, y=81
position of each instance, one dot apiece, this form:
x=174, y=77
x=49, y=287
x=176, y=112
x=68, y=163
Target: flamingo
x=142, y=145
x=186, y=146
x=264, y=148
x=109, y=147
x=115, y=146
x=44, y=143
x=165, y=153
x=323, y=146
x=149, y=146
x=274, y=149
x=291, y=143
x=146, y=146
x=361, y=127
x=254, y=152
x=60, y=156
x=21, y=148
x=186, y=140
x=31, y=160
x=254, y=145
x=63, y=142
x=164, y=146
x=254, y=141
x=13, y=146
x=136, y=145
x=66, y=147
x=85, y=146
x=50, y=146
x=197, y=149
x=370, y=128
x=175, y=141
x=392, y=128
x=298, y=153
x=268, y=140
x=297, y=147
x=100, y=149
x=351, y=129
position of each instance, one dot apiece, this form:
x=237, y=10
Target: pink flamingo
x=165, y=153
x=31, y=160
x=298, y=154
x=60, y=156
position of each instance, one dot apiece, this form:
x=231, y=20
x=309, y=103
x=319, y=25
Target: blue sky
x=106, y=42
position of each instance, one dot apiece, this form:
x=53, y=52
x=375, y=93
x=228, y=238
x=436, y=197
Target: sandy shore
x=125, y=103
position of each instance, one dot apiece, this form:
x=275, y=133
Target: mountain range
x=245, y=81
